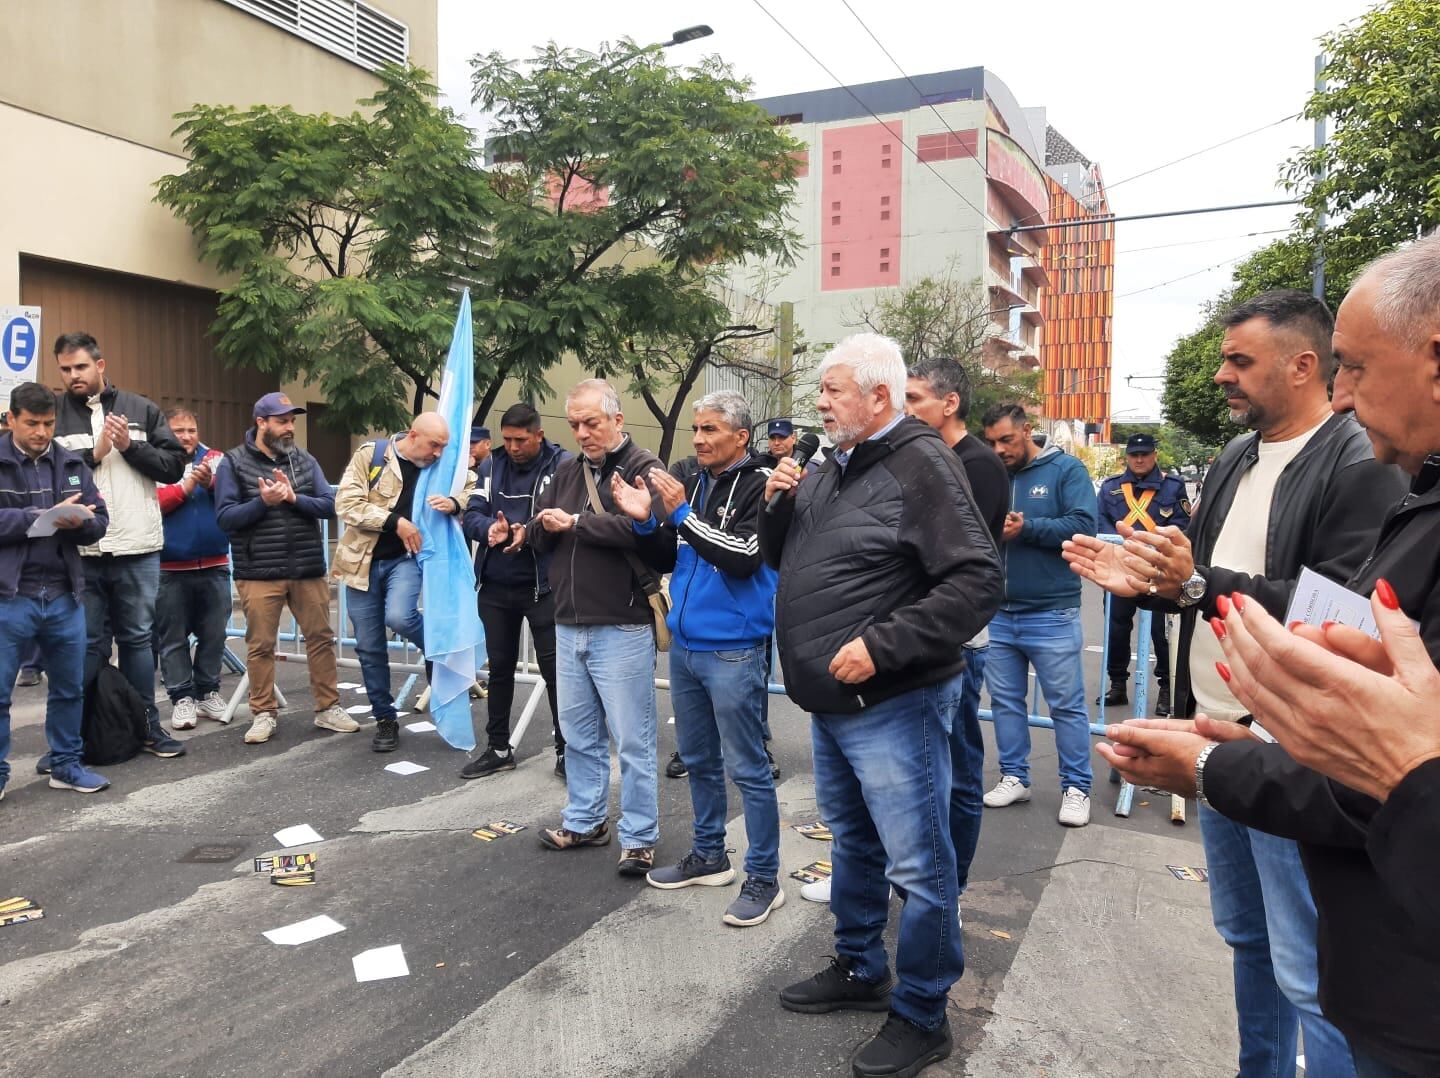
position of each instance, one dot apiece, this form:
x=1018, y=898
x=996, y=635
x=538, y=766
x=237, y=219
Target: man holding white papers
x=1305, y=490
x=42, y=580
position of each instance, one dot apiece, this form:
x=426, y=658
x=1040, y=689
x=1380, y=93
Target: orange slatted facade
x=1079, y=309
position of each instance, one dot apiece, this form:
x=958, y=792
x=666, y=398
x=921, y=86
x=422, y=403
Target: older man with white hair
x=886, y=569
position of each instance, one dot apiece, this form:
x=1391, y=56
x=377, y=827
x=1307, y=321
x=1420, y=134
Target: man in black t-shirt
x=938, y=393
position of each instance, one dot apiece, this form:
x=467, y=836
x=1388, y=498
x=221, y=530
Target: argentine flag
x=454, y=640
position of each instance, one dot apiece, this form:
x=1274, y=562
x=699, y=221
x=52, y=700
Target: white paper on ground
x=405, y=767
x=380, y=963
x=401, y=714
x=357, y=709
x=44, y=524
x=347, y=685
x=304, y=931
x=420, y=727
x=298, y=835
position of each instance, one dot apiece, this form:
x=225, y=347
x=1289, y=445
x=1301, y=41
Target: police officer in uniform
x=1144, y=498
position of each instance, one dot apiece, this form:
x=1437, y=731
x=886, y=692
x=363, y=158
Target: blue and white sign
x=19, y=348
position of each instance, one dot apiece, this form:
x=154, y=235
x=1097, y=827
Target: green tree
x=1376, y=173
x=341, y=231
x=947, y=316
x=612, y=158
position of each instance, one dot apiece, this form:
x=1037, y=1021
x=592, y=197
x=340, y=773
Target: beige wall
x=126, y=67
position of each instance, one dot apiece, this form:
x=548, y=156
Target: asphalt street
x=1085, y=953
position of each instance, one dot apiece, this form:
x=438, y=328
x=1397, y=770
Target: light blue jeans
x=607, y=687
x=391, y=603
x=1262, y=907
x=717, y=697
x=1053, y=643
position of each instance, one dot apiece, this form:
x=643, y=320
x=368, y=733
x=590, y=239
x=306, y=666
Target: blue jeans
x=120, y=595
x=392, y=603
x=607, y=687
x=192, y=602
x=1261, y=903
x=882, y=784
x=967, y=767
x=717, y=696
x=1051, y=641
x=58, y=626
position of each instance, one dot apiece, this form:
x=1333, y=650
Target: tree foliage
x=1375, y=176
x=947, y=316
x=350, y=236
x=341, y=233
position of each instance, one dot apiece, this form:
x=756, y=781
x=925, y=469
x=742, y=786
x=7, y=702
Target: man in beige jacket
x=375, y=559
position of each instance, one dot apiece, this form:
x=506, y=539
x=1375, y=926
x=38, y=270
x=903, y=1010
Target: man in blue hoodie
x=513, y=577
x=722, y=614
x=1051, y=499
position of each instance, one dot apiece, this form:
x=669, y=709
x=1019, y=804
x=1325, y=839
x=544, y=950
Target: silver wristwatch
x=1200, y=771
x=1192, y=591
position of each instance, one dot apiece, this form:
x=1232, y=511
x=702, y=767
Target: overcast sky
x=1133, y=85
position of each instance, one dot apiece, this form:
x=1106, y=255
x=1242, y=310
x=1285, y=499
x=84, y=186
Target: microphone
x=807, y=446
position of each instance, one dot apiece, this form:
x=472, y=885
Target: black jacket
x=589, y=575
x=1373, y=870
x=273, y=542
x=514, y=491
x=892, y=550
x=23, y=497
x=1328, y=505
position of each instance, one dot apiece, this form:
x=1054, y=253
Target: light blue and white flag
x=454, y=640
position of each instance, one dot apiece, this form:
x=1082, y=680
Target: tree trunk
x=487, y=399
x=670, y=419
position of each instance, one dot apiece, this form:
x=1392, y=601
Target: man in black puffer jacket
x=270, y=498
x=886, y=569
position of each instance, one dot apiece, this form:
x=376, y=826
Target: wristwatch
x=1192, y=591
x=1200, y=771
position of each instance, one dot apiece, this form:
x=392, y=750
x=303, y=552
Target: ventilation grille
x=347, y=28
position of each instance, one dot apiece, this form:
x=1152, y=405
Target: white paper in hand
x=380, y=964
x=1318, y=599
x=44, y=524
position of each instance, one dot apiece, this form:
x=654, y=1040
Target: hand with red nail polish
x=1387, y=595
x=1222, y=606
x=1239, y=601
x=1219, y=628
x=1223, y=671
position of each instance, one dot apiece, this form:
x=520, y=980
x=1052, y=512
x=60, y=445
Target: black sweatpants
x=501, y=612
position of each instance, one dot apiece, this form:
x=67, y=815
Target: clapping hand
x=502, y=531
x=670, y=489
x=634, y=501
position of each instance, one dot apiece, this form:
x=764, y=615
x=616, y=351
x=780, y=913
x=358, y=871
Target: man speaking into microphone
x=886, y=569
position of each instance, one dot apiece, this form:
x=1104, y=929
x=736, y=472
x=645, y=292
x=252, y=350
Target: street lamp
x=690, y=33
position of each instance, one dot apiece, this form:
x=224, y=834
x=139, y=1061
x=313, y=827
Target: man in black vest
x=270, y=498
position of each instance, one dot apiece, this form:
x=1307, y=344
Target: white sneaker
x=1006, y=792
x=182, y=716
x=817, y=892
x=334, y=718
x=213, y=707
x=261, y=729
x=1074, y=808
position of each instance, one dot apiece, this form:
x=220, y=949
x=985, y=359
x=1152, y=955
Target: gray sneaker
x=758, y=896
x=213, y=707
x=692, y=871
x=182, y=716
x=334, y=718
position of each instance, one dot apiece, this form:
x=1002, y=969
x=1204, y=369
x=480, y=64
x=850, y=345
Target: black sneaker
x=774, y=767
x=676, y=768
x=1162, y=698
x=42, y=765
x=387, y=736
x=560, y=763
x=488, y=763
x=158, y=743
x=835, y=988
x=691, y=871
x=901, y=1049
x=1117, y=694
x=758, y=896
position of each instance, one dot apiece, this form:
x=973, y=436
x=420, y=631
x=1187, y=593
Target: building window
x=835, y=207
x=788, y=118
x=884, y=215
x=946, y=146
x=884, y=267
x=834, y=155
x=835, y=170
x=885, y=150
x=834, y=271
x=835, y=220
x=884, y=200
x=884, y=252
x=885, y=162
x=834, y=256
x=347, y=28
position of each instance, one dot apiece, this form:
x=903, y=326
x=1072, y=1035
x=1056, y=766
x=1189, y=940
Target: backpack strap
x=377, y=462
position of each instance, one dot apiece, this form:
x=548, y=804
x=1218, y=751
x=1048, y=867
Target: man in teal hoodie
x=1051, y=498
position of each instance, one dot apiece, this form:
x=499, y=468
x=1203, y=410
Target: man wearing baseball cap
x=781, y=436
x=1143, y=497
x=270, y=498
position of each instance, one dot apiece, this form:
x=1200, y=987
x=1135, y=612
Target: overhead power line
x=1183, y=277
x=1193, y=243
x=1197, y=153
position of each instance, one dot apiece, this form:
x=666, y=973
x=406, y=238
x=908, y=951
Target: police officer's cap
x=1140, y=443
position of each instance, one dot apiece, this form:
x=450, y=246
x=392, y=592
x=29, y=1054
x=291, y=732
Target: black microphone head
x=806, y=446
